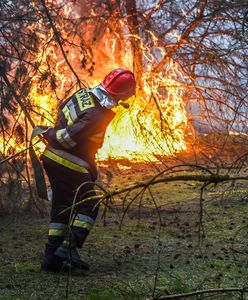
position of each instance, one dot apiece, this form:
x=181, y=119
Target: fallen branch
x=212, y=178
x=200, y=292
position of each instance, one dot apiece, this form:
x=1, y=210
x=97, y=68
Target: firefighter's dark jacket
x=79, y=129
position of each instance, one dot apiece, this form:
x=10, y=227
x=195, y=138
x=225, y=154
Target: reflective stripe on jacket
x=66, y=159
x=79, y=131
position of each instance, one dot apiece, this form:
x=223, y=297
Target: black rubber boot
x=71, y=255
x=51, y=262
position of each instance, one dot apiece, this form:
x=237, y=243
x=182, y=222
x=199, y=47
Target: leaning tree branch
x=57, y=36
x=213, y=178
x=201, y=292
x=6, y=159
x=16, y=96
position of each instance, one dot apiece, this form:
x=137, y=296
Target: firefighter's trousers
x=69, y=187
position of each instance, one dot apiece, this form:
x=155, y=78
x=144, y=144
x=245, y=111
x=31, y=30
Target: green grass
x=125, y=264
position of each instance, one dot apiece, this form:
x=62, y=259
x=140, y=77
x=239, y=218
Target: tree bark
x=133, y=26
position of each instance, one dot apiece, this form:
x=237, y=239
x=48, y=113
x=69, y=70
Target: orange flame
x=153, y=126
x=140, y=133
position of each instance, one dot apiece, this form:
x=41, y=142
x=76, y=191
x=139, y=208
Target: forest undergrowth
x=148, y=254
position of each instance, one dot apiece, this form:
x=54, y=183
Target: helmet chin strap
x=103, y=96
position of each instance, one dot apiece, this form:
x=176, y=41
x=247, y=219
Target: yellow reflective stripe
x=64, y=162
x=82, y=224
x=61, y=140
x=67, y=115
x=84, y=99
x=60, y=226
x=60, y=232
x=66, y=137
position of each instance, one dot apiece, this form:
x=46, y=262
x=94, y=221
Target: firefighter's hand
x=38, y=131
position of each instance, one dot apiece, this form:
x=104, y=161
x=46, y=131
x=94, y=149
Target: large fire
x=146, y=131
x=152, y=127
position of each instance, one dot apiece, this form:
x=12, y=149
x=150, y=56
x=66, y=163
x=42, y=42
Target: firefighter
x=69, y=162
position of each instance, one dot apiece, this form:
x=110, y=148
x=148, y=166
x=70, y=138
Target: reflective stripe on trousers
x=57, y=229
x=83, y=221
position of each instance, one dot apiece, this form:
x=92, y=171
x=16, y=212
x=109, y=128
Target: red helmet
x=120, y=84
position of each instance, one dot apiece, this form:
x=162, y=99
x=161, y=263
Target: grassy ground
x=146, y=257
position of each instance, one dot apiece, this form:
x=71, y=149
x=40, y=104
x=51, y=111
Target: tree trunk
x=133, y=26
